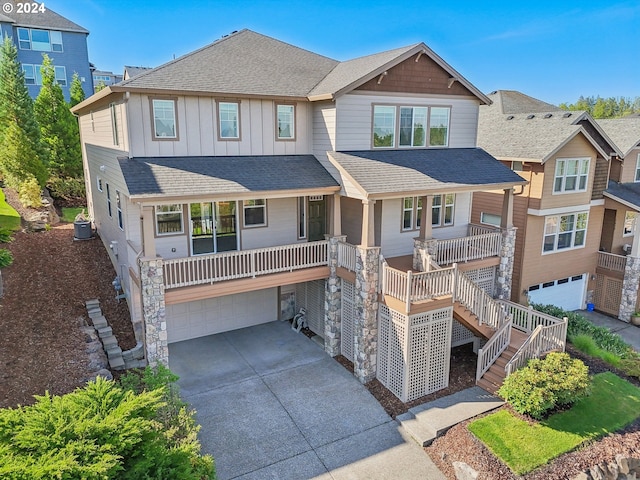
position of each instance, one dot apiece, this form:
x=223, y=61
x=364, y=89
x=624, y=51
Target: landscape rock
x=464, y=471
x=623, y=468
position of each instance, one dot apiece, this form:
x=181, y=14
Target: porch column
x=424, y=246
x=425, y=217
x=368, y=222
x=333, y=301
x=631, y=278
x=153, y=310
x=366, y=306
x=507, y=209
x=505, y=268
x=148, y=238
x=336, y=219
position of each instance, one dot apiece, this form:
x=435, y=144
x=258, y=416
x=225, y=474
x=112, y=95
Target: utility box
x=82, y=230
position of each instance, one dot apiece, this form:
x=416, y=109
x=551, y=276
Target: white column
x=507, y=209
x=368, y=222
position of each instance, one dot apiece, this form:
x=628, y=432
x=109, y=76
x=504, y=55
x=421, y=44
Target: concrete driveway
x=273, y=405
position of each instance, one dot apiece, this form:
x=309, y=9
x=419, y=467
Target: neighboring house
x=130, y=72
x=44, y=31
x=565, y=158
x=618, y=273
x=104, y=79
x=250, y=178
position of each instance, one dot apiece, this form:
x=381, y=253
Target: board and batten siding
x=355, y=112
x=198, y=129
x=96, y=127
x=629, y=166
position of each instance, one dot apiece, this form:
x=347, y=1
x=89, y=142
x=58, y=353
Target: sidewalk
x=629, y=333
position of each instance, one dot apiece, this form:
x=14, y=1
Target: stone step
x=99, y=322
x=135, y=363
x=105, y=332
x=116, y=363
x=109, y=340
x=114, y=351
x=94, y=302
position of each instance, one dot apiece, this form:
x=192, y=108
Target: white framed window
x=165, y=125
x=109, y=209
x=563, y=232
x=60, y=75
x=255, y=212
x=490, y=219
x=408, y=213
x=384, y=126
x=119, y=210
x=39, y=40
x=442, y=210
x=413, y=127
x=169, y=219
x=439, y=126
x=517, y=166
x=637, y=175
x=571, y=175
x=99, y=183
x=229, y=119
x=286, y=122
x=302, y=218
x=630, y=219
x=114, y=124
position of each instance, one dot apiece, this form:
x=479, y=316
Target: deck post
x=333, y=301
x=153, y=311
x=505, y=268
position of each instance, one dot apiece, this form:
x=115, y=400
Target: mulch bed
x=41, y=345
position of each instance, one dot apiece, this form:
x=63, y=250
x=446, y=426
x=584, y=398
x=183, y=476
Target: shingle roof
x=512, y=101
x=625, y=132
x=179, y=176
x=245, y=62
x=628, y=192
x=131, y=72
x=47, y=19
x=380, y=172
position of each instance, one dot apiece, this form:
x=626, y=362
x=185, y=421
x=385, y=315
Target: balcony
x=611, y=262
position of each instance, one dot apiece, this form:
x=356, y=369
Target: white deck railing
x=475, y=229
x=206, y=269
x=465, y=249
x=411, y=287
x=541, y=341
x=347, y=256
x=526, y=319
x=497, y=344
x=611, y=261
x=480, y=303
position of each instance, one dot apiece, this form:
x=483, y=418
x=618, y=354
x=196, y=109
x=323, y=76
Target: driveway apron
x=273, y=405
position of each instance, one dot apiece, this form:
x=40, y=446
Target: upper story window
x=286, y=122
x=33, y=74
x=164, y=119
x=169, y=219
x=630, y=219
x=442, y=210
x=418, y=126
x=563, y=232
x=571, y=175
x=114, y=123
x=637, y=175
x=255, y=212
x=39, y=40
x=229, y=118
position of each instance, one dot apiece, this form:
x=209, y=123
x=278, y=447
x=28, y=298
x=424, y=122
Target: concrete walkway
x=629, y=333
x=273, y=405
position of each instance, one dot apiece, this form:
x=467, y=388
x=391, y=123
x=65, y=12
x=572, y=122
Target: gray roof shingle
x=130, y=72
x=624, y=132
x=381, y=172
x=48, y=19
x=512, y=101
x=628, y=192
x=180, y=176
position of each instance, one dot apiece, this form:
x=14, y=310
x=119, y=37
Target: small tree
x=58, y=127
x=76, y=92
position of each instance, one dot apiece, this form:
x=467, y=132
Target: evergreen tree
x=600, y=107
x=20, y=149
x=58, y=126
x=76, y=91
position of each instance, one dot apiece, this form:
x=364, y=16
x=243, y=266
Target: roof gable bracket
x=419, y=55
x=382, y=75
x=451, y=81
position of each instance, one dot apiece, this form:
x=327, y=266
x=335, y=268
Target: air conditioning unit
x=626, y=248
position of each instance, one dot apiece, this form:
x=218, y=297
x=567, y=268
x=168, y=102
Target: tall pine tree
x=58, y=126
x=20, y=149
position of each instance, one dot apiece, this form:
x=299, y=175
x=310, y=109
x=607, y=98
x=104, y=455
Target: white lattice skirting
x=310, y=296
x=348, y=319
x=414, y=351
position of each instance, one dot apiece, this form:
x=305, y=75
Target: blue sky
x=552, y=50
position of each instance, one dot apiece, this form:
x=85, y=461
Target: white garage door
x=566, y=293
x=221, y=314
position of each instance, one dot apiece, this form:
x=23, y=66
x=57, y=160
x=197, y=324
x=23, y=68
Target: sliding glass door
x=213, y=227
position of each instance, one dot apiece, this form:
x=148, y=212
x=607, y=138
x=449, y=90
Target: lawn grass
x=613, y=403
x=69, y=214
x=9, y=218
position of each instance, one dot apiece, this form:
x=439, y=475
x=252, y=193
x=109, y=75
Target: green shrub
x=544, y=384
x=631, y=365
x=6, y=258
x=100, y=431
x=67, y=188
x=30, y=193
x=6, y=235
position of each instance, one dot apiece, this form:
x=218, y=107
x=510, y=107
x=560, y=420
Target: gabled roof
x=130, y=72
x=394, y=173
x=625, y=132
x=185, y=176
x=625, y=193
x=48, y=19
x=517, y=126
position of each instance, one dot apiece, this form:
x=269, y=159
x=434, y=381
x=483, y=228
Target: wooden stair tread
x=469, y=320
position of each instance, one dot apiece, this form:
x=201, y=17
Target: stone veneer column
x=629, y=288
x=153, y=311
x=505, y=268
x=366, y=305
x=422, y=248
x=333, y=301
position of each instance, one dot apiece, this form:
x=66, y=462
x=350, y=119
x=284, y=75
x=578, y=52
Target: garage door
x=566, y=293
x=221, y=314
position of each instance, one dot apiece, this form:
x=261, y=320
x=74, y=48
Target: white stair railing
x=477, y=301
x=492, y=350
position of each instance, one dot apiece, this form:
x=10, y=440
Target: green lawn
x=9, y=218
x=69, y=214
x=613, y=403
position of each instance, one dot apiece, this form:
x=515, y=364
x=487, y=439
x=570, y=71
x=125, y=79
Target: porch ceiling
x=387, y=173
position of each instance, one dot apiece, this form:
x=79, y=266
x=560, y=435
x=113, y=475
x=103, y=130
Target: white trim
x=99, y=184
x=157, y=214
x=637, y=170
x=633, y=224
x=565, y=160
x=244, y=213
x=557, y=233
x=499, y=217
x=559, y=210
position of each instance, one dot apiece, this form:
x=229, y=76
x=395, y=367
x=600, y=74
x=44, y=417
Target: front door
x=212, y=227
x=317, y=218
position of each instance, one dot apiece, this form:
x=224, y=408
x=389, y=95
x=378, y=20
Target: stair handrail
x=488, y=310
x=492, y=350
x=518, y=360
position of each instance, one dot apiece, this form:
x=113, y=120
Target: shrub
x=6, y=235
x=67, y=188
x=30, y=193
x=631, y=365
x=6, y=258
x=544, y=384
